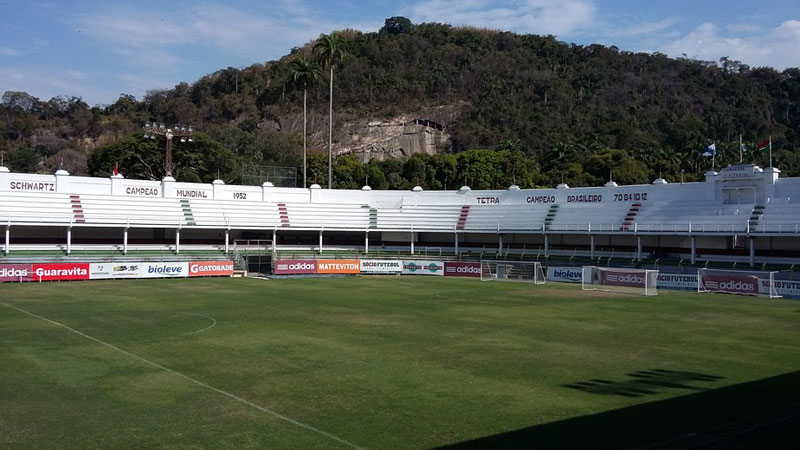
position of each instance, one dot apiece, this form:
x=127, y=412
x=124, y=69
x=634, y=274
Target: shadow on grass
x=762, y=414
x=645, y=382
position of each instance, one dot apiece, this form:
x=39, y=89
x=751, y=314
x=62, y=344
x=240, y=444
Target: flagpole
x=713, y=155
x=740, y=149
x=770, y=151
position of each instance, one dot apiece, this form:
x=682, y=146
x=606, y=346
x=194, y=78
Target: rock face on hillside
x=370, y=138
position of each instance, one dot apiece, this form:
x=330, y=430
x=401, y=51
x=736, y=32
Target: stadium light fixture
x=184, y=132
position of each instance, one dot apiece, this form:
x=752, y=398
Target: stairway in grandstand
x=630, y=217
x=373, y=217
x=187, y=212
x=462, y=218
x=284, y=214
x=755, y=216
x=77, y=209
x=551, y=215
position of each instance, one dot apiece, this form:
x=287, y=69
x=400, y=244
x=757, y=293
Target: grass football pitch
x=391, y=363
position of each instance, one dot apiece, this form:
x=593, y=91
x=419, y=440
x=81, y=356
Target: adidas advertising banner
x=295, y=267
x=165, y=270
x=423, y=268
x=565, y=274
x=60, y=272
x=338, y=266
x=462, y=269
x=106, y=271
x=381, y=266
x=210, y=268
x=734, y=284
x=15, y=273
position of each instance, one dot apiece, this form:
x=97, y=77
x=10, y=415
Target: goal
x=742, y=282
x=526, y=271
x=633, y=281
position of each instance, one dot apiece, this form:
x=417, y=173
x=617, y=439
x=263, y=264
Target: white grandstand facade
x=742, y=213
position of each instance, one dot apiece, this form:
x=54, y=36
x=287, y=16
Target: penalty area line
x=193, y=380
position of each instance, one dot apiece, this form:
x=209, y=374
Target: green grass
x=382, y=362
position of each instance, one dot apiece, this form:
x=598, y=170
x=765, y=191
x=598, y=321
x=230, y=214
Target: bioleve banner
x=295, y=267
x=381, y=266
x=165, y=270
x=210, y=268
x=423, y=268
x=565, y=274
x=462, y=269
x=15, y=272
x=340, y=266
x=106, y=271
x=60, y=271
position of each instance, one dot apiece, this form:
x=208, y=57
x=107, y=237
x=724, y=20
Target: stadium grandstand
x=742, y=214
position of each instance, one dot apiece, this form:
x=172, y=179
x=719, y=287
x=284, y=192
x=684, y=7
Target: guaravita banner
x=423, y=268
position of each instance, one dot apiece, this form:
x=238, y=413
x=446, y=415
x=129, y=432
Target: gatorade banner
x=210, y=268
x=381, y=266
x=106, y=271
x=339, y=266
x=15, y=273
x=60, y=272
x=423, y=268
x=165, y=270
x=462, y=269
x=295, y=267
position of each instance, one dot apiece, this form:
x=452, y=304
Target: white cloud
x=5, y=51
x=776, y=47
x=46, y=85
x=557, y=17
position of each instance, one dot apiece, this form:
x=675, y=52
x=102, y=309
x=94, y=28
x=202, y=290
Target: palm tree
x=328, y=50
x=305, y=74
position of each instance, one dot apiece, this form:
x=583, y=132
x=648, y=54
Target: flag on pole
x=116, y=168
x=765, y=145
x=711, y=150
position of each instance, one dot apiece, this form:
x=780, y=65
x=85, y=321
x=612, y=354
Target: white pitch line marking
x=193, y=380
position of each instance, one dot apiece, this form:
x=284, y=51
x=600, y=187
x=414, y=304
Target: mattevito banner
x=295, y=267
x=340, y=266
x=462, y=269
x=211, y=268
x=15, y=272
x=385, y=266
x=423, y=268
x=165, y=270
x=60, y=272
x=106, y=271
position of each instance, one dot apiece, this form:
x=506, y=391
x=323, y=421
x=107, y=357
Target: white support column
x=69, y=240
x=8, y=241
x=693, y=258
x=274, y=239
x=456, y=243
x=227, y=239
x=320, y=241
x=546, y=245
x=366, y=242
x=752, y=251
x=639, y=248
x=125, y=241
x=412, y=242
x=499, y=243
x=177, y=240
x=591, y=246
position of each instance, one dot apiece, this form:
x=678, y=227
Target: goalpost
x=742, y=282
x=527, y=271
x=633, y=281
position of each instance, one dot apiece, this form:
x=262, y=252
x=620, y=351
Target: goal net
x=513, y=271
x=633, y=281
x=742, y=282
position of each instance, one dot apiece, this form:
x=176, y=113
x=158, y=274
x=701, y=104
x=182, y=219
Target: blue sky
x=99, y=49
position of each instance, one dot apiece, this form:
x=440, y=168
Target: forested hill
x=554, y=109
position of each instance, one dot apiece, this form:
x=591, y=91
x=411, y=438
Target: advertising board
x=423, y=268
x=295, y=267
x=60, y=271
x=564, y=274
x=381, y=266
x=462, y=269
x=105, y=271
x=734, y=284
x=677, y=281
x=622, y=277
x=338, y=266
x=210, y=268
x=165, y=270
x=15, y=273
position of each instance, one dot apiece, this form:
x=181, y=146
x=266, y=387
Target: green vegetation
x=383, y=362
x=559, y=104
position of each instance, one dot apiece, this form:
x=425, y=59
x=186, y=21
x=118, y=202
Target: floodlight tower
x=185, y=132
